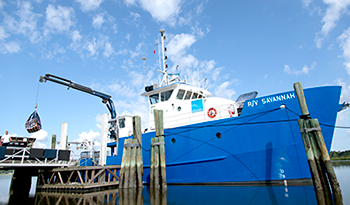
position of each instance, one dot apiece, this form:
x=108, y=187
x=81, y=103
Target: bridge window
x=188, y=95
x=154, y=98
x=121, y=122
x=166, y=95
x=194, y=96
x=180, y=94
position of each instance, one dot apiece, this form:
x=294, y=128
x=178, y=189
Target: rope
x=37, y=96
x=146, y=150
x=335, y=126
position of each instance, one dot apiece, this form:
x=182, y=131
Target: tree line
x=340, y=155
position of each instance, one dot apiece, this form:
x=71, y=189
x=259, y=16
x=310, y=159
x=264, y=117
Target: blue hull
x=262, y=145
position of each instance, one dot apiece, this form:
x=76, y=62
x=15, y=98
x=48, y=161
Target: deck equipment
x=106, y=99
x=33, y=124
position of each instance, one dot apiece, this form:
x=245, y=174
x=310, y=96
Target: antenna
x=144, y=69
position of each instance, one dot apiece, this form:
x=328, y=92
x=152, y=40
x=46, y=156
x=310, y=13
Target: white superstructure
x=184, y=104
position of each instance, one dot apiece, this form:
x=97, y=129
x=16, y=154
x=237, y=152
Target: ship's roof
x=181, y=86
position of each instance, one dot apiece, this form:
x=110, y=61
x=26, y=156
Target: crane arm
x=106, y=99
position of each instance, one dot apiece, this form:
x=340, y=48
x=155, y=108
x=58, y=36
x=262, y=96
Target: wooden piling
x=132, y=166
x=125, y=168
x=138, y=137
x=319, y=161
x=53, y=142
x=127, y=165
x=162, y=163
x=320, y=168
x=158, y=167
x=338, y=198
x=155, y=152
x=313, y=167
x=152, y=164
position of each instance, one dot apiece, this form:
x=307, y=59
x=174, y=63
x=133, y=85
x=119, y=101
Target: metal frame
x=21, y=159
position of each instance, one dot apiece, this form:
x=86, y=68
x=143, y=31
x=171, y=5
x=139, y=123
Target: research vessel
x=212, y=140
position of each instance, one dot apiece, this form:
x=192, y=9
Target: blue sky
x=239, y=46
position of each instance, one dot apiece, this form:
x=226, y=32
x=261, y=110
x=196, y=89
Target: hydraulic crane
x=106, y=99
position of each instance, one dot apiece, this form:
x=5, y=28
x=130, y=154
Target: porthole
x=218, y=135
x=173, y=140
x=179, y=109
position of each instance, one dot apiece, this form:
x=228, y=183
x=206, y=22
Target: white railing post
x=104, y=135
x=64, y=136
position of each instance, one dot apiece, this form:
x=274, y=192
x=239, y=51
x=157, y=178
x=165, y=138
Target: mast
x=173, y=77
x=165, y=66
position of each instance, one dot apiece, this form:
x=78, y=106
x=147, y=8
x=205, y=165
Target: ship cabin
x=183, y=104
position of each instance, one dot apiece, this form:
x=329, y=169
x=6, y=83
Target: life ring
x=212, y=112
x=231, y=113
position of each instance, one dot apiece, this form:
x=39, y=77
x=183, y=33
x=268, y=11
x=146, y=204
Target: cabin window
x=154, y=98
x=166, y=95
x=180, y=94
x=121, y=122
x=194, y=96
x=200, y=96
x=188, y=95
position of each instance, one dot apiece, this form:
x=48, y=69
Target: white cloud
x=27, y=23
x=89, y=5
x=98, y=120
x=306, y=3
x=177, y=51
x=128, y=37
x=163, y=11
x=39, y=145
x=98, y=21
x=3, y=33
x=10, y=47
x=108, y=50
x=58, y=20
x=335, y=9
x=54, y=50
x=133, y=19
x=344, y=40
x=223, y=90
x=2, y=3
x=304, y=70
x=91, y=135
x=179, y=43
x=76, y=38
x=138, y=50
x=94, y=45
x=130, y=2
x=40, y=135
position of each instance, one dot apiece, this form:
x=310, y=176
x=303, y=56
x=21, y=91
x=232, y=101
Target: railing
x=222, y=112
x=25, y=156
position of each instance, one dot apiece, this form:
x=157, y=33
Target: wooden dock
x=78, y=178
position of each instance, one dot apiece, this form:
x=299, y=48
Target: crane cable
x=37, y=96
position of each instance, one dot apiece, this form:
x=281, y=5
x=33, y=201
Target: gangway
x=19, y=153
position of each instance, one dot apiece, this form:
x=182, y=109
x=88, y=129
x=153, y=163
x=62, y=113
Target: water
x=192, y=195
